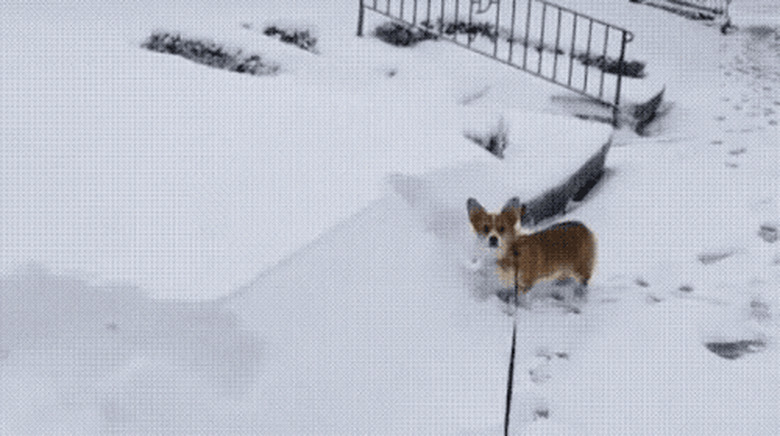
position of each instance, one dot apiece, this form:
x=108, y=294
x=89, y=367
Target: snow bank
x=79, y=359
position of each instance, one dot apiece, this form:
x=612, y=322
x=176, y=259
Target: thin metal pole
x=361, y=14
x=401, y=12
x=495, y=37
x=541, y=38
x=456, y=24
x=557, y=44
x=615, y=110
x=604, y=55
x=414, y=14
x=441, y=19
x=587, y=55
x=388, y=7
x=429, y=13
x=571, y=51
x=527, y=30
x=468, y=28
x=512, y=30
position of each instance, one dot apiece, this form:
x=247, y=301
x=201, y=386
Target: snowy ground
x=342, y=182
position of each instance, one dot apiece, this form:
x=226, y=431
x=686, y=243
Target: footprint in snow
x=769, y=232
x=737, y=151
x=542, y=373
x=541, y=413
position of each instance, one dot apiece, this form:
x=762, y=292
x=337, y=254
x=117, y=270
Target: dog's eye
x=501, y=230
x=487, y=229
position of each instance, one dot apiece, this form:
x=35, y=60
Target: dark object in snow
x=642, y=283
x=540, y=374
x=727, y=28
x=768, y=232
x=760, y=310
x=210, y=53
x=494, y=141
x=401, y=36
x=575, y=188
x=541, y=414
x=633, y=69
x=645, y=113
x=736, y=349
x=300, y=38
x=686, y=288
x=652, y=299
x=710, y=258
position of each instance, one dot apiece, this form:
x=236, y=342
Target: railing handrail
x=594, y=19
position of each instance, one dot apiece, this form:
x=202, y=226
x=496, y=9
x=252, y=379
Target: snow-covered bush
x=302, y=38
x=210, y=53
x=635, y=69
x=401, y=36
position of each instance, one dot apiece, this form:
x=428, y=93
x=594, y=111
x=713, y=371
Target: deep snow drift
x=342, y=181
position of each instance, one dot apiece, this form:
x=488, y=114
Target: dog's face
x=495, y=230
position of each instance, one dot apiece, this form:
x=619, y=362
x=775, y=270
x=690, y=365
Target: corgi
x=562, y=251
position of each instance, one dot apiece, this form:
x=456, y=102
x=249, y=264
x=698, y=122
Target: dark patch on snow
x=541, y=413
x=710, y=258
x=575, y=188
x=736, y=349
x=641, y=282
x=540, y=374
x=768, y=232
x=737, y=151
x=645, y=113
x=686, y=288
x=495, y=141
x=652, y=299
x=759, y=310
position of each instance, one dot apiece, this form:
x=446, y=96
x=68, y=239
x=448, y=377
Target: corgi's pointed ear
x=472, y=206
x=513, y=203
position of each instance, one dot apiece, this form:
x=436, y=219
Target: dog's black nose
x=493, y=241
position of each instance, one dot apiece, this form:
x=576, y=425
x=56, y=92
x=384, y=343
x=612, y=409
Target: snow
x=309, y=231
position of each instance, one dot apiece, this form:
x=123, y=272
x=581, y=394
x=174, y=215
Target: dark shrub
x=635, y=69
x=401, y=36
x=300, y=38
x=209, y=53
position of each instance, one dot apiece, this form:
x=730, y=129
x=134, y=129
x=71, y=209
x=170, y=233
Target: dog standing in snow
x=560, y=252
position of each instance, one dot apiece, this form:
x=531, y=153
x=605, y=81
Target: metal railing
x=560, y=45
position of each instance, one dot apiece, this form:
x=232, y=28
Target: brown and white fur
x=559, y=252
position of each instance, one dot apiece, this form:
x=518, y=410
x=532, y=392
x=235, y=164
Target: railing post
x=616, y=109
x=361, y=14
